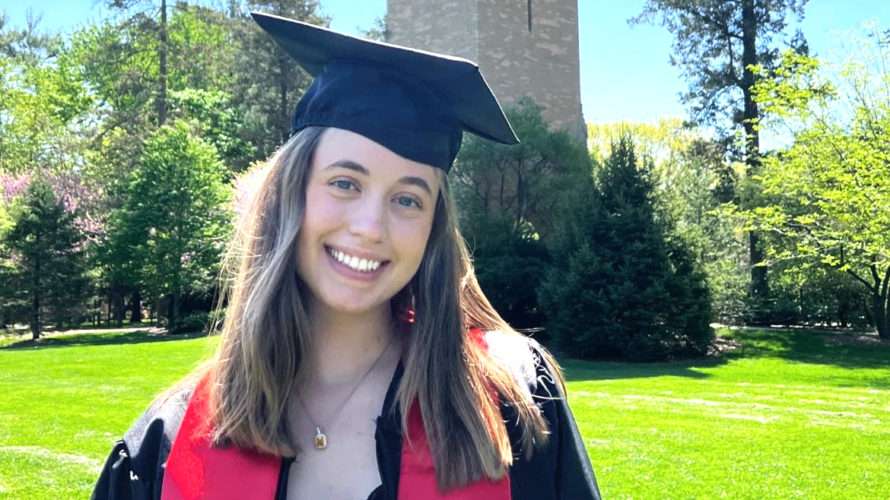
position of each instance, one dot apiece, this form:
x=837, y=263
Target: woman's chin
x=354, y=306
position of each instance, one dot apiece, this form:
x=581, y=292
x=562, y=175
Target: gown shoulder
x=134, y=470
x=560, y=469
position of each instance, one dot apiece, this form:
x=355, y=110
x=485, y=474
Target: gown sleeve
x=134, y=470
x=560, y=469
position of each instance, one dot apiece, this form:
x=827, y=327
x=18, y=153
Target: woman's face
x=368, y=216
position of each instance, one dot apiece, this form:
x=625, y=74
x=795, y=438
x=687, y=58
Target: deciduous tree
x=716, y=44
x=175, y=218
x=828, y=194
x=507, y=197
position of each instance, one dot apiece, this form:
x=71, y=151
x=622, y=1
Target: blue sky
x=625, y=73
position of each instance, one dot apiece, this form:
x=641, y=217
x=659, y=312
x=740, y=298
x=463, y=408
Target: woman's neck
x=344, y=345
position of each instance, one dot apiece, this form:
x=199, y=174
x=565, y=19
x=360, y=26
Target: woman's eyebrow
x=356, y=167
x=349, y=164
x=417, y=181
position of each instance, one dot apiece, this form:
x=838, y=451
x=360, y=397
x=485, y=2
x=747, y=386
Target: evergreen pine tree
x=48, y=278
x=619, y=286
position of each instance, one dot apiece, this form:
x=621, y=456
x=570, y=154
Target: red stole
x=418, y=477
x=196, y=470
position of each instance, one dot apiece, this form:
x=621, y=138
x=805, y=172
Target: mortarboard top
x=415, y=103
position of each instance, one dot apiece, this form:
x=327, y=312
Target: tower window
x=529, y=16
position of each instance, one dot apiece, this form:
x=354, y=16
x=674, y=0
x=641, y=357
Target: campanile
x=524, y=47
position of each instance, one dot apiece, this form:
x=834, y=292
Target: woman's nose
x=369, y=220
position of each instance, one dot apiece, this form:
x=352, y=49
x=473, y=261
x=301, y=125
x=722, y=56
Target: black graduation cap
x=415, y=103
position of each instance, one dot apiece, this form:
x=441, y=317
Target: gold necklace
x=321, y=438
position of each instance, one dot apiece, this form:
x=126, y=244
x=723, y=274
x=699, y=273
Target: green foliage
x=522, y=184
x=218, y=122
x=119, y=59
x=692, y=189
x=811, y=293
x=827, y=197
x=508, y=265
x=42, y=100
x=619, y=287
x=90, y=104
x=718, y=43
x=46, y=279
x=792, y=87
x=174, y=222
x=193, y=322
x=40, y=95
x=6, y=221
x=507, y=196
x=692, y=177
x=201, y=52
x=267, y=84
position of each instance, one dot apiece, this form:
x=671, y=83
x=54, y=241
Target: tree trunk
x=136, y=307
x=117, y=305
x=882, y=321
x=843, y=312
x=35, y=299
x=879, y=311
x=172, y=311
x=759, y=284
x=162, y=66
x=881, y=303
x=110, y=306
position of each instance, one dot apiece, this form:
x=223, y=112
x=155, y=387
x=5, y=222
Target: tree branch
x=874, y=273
x=886, y=287
x=858, y=278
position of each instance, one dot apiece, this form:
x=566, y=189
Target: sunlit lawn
x=789, y=414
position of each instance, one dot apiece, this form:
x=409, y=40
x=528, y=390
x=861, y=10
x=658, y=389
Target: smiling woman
x=359, y=357
x=365, y=206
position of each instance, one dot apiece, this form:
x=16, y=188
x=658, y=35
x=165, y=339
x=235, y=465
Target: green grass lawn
x=789, y=414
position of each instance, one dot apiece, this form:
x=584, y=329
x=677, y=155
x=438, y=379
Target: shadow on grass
x=843, y=349
x=90, y=339
x=577, y=370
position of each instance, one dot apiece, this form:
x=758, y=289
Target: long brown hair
x=265, y=336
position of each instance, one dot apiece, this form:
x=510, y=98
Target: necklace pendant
x=321, y=439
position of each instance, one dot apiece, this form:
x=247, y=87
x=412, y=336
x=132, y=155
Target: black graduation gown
x=560, y=470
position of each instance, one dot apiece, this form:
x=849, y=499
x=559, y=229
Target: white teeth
x=362, y=265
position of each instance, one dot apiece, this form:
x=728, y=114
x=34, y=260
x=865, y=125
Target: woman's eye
x=343, y=184
x=407, y=201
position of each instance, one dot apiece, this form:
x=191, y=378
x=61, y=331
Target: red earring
x=409, y=315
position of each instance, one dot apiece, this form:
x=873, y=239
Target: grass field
x=788, y=414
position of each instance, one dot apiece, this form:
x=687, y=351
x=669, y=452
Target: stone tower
x=524, y=47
